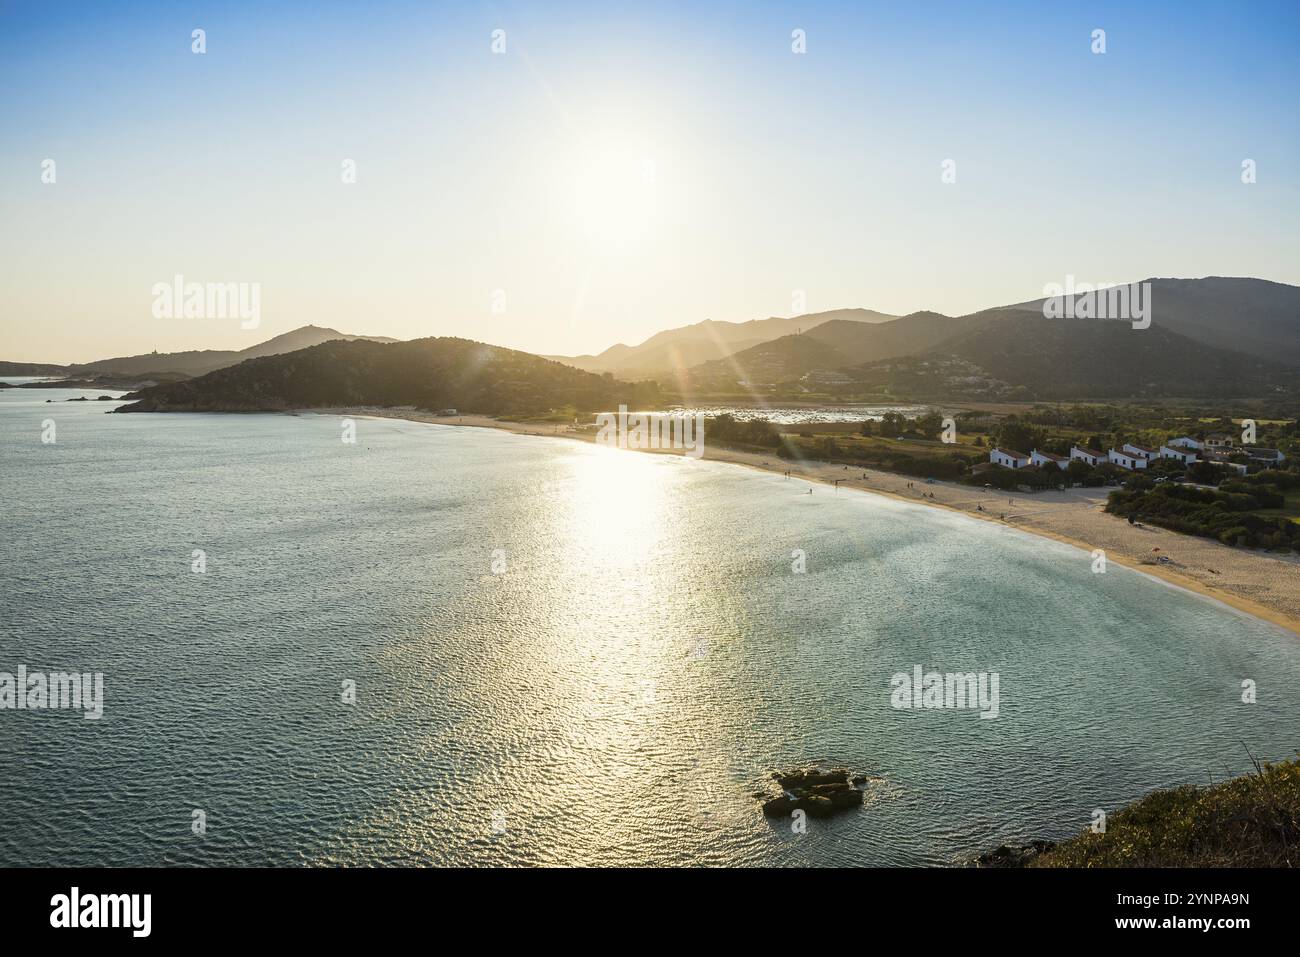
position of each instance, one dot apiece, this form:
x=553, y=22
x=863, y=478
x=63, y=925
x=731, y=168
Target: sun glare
x=609, y=186
x=618, y=498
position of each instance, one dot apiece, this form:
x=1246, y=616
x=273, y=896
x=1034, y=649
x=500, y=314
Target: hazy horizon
x=263, y=334
x=611, y=174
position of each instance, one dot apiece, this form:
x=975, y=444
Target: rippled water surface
x=614, y=696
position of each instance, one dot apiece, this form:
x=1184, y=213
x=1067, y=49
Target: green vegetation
x=1249, y=821
x=564, y=414
x=1260, y=509
x=1253, y=510
x=1007, y=354
x=756, y=434
x=908, y=456
x=428, y=374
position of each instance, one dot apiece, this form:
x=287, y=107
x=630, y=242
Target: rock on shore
x=1005, y=856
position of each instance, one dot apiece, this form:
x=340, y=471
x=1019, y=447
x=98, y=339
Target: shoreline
x=1065, y=517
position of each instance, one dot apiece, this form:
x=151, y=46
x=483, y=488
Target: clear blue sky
x=624, y=167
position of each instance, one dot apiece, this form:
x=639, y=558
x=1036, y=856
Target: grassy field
x=841, y=442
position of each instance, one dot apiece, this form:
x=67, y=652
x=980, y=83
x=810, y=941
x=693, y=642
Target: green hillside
x=425, y=373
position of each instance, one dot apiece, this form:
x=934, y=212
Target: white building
x=1141, y=451
x=1091, y=456
x=1183, y=442
x=1127, y=460
x=1185, y=455
x=1042, y=458
x=1009, y=457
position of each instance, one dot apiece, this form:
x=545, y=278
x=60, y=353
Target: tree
x=1014, y=434
x=1077, y=470
x=892, y=425
x=930, y=425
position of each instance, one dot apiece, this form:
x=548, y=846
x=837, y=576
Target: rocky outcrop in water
x=817, y=791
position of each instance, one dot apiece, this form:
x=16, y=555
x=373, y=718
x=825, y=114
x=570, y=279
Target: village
x=1215, y=447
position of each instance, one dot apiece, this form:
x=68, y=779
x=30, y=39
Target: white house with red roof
x=1009, y=457
x=1042, y=458
x=1127, y=460
x=1140, y=450
x=1185, y=455
x=1091, y=456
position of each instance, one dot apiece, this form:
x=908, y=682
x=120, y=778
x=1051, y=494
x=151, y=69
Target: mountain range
x=1016, y=354
x=1210, y=337
x=192, y=363
x=1254, y=316
x=673, y=351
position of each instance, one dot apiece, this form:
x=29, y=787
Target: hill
x=830, y=345
x=426, y=373
x=196, y=363
x=30, y=368
x=1254, y=316
x=1008, y=353
x=1095, y=358
x=673, y=351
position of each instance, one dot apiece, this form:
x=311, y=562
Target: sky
x=613, y=169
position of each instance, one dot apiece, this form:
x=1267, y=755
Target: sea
x=356, y=641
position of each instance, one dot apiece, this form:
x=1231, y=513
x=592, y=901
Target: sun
x=609, y=186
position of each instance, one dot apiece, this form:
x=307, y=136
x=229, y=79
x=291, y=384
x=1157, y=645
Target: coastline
x=1263, y=586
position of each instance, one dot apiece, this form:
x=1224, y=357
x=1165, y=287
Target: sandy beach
x=1259, y=583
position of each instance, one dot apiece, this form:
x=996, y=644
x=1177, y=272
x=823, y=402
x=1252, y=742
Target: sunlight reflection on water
x=615, y=696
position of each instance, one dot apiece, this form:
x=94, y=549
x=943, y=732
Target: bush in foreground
x=1250, y=821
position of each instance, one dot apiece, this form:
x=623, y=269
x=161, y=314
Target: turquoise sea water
x=613, y=693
